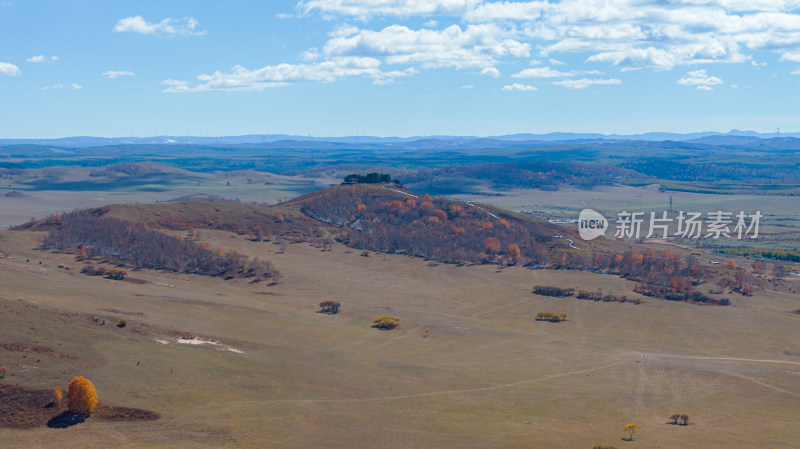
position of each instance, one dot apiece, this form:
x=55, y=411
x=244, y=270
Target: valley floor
x=488, y=376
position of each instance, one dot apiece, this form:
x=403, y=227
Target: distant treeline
x=775, y=254
x=529, y=174
x=139, y=246
x=709, y=172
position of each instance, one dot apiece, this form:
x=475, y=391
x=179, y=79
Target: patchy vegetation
x=425, y=227
x=141, y=247
x=329, y=306
x=552, y=317
x=386, y=322
x=553, y=291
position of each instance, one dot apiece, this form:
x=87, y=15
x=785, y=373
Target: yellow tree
x=81, y=396
x=513, y=252
x=630, y=429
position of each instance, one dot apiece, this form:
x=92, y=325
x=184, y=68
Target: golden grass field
x=488, y=376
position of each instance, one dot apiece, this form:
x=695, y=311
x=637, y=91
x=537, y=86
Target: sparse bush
x=550, y=316
x=674, y=418
x=57, y=396
x=386, y=322
x=604, y=447
x=116, y=273
x=93, y=270
x=81, y=396
x=630, y=429
x=684, y=419
x=3, y=371
x=329, y=306
x=122, y=323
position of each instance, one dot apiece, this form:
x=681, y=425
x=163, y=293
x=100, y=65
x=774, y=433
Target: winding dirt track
x=447, y=392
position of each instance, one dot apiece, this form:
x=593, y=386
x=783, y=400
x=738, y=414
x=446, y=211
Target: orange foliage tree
x=492, y=245
x=731, y=264
x=513, y=252
x=81, y=396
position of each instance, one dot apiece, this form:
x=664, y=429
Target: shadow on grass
x=64, y=420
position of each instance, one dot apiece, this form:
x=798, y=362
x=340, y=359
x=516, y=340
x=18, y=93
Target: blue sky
x=396, y=68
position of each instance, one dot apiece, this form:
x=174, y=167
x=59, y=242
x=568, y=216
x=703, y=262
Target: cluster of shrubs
x=329, y=306
x=599, y=296
x=386, y=322
x=96, y=270
x=683, y=417
x=557, y=292
x=369, y=178
x=672, y=295
x=553, y=317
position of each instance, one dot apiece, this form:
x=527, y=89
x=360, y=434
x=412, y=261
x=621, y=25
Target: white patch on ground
x=200, y=341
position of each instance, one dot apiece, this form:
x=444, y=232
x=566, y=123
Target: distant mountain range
x=733, y=137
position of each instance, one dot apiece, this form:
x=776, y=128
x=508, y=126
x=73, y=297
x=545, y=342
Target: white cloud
x=542, y=72
x=490, y=71
x=364, y=9
x=487, y=12
x=75, y=86
x=167, y=27
x=240, y=78
x=519, y=87
x=631, y=34
x=701, y=79
x=556, y=62
x=468, y=86
x=795, y=72
x=477, y=46
x=111, y=74
x=790, y=56
x=583, y=83
x=431, y=24
x=8, y=69
x=41, y=58
x=547, y=72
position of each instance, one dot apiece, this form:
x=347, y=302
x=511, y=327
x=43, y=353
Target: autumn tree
x=731, y=264
x=3, y=371
x=386, y=322
x=329, y=306
x=492, y=245
x=513, y=252
x=427, y=332
x=630, y=429
x=57, y=396
x=81, y=396
x=757, y=267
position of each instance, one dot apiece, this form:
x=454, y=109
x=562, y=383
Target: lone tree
x=329, y=306
x=674, y=418
x=684, y=419
x=630, y=429
x=81, y=396
x=3, y=371
x=386, y=322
